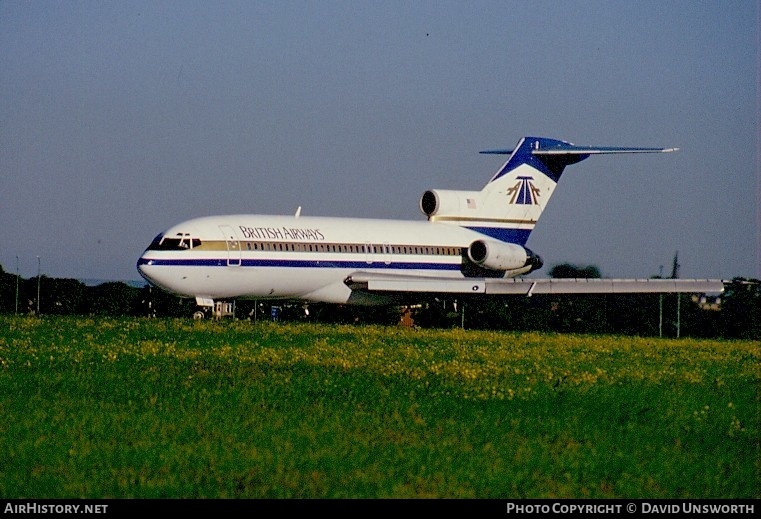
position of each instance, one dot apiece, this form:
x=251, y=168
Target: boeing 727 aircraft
x=474, y=242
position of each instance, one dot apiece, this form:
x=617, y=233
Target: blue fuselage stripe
x=223, y=262
x=517, y=236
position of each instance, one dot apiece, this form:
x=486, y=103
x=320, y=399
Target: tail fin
x=510, y=204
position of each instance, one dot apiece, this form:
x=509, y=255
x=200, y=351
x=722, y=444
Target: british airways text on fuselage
x=281, y=233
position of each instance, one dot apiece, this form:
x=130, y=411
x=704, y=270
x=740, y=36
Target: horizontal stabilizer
x=591, y=150
x=570, y=149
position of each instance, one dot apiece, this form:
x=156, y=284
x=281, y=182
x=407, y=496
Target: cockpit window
x=180, y=241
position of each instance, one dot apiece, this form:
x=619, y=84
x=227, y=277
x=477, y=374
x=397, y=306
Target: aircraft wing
x=373, y=282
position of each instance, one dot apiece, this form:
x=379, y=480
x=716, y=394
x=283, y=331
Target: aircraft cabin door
x=386, y=253
x=233, y=246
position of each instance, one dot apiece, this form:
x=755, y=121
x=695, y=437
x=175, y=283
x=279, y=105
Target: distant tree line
x=669, y=315
x=64, y=296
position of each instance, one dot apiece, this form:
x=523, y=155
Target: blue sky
x=120, y=119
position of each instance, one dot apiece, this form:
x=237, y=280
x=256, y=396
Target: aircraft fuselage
x=259, y=256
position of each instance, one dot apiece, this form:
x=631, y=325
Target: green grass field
x=140, y=408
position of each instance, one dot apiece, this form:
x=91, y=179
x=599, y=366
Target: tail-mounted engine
x=488, y=257
x=436, y=203
x=507, y=257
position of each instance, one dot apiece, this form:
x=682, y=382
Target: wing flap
x=603, y=286
x=400, y=283
x=527, y=286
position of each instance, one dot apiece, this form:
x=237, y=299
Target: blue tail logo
x=524, y=192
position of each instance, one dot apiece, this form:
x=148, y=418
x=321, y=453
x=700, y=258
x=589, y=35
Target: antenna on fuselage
x=298, y=212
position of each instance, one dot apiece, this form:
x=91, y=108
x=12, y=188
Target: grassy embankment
x=139, y=408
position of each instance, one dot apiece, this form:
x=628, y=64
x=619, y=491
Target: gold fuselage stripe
x=474, y=219
x=348, y=248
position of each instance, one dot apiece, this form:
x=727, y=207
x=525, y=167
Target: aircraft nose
x=143, y=268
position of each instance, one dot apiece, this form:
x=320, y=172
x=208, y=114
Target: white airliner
x=474, y=242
